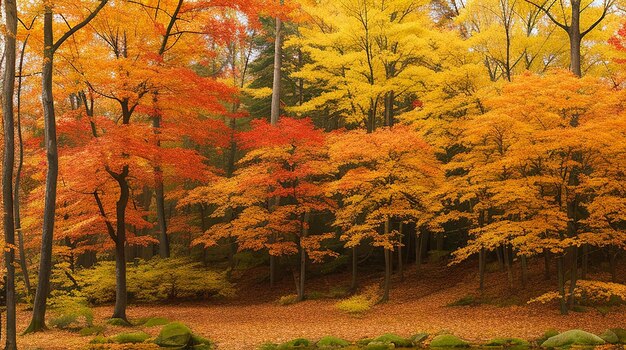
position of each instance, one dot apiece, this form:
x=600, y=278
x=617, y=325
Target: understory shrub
x=155, y=280
x=360, y=303
x=70, y=311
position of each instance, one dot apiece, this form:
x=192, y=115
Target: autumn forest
x=313, y=174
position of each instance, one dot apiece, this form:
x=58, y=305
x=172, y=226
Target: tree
x=570, y=20
x=8, y=164
x=384, y=177
x=45, y=265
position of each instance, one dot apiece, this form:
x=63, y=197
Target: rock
x=418, y=338
x=609, y=336
x=572, y=337
x=174, y=334
x=448, y=341
x=620, y=333
x=331, y=342
x=508, y=342
x=394, y=339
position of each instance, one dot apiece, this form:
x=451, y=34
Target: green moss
x=174, y=334
x=364, y=341
x=610, y=337
x=394, y=339
x=298, y=343
x=156, y=321
x=621, y=334
x=572, y=337
x=377, y=345
x=448, y=341
x=130, y=337
x=418, y=338
x=93, y=330
x=508, y=342
x=99, y=340
x=118, y=322
x=331, y=342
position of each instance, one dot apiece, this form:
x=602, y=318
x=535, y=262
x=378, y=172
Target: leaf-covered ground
x=417, y=305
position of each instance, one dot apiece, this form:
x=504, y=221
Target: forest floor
x=418, y=304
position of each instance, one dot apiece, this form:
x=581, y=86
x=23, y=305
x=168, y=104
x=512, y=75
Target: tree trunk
x=573, y=276
x=45, y=260
x=500, y=258
x=121, y=297
x=585, y=262
x=400, y=264
x=507, y=264
x=481, y=269
x=353, y=284
x=305, y=232
x=8, y=164
x=387, y=252
x=561, y=277
x=546, y=260
x=575, y=39
x=275, y=107
x=524, y=270
x=18, y=175
x=613, y=264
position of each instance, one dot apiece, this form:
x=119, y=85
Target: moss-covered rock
x=609, y=336
x=448, y=341
x=364, y=341
x=93, y=330
x=572, y=337
x=507, y=342
x=621, y=334
x=174, y=334
x=331, y=342
x=298, y=343
x=156, y=321
x=130, y=337
x=378, y=345
x=418, y=338
x=394, y=339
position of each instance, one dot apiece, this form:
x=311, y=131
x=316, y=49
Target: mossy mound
x=508, y=342
x=156, y=321
x=93, y=330
x=364, y=341
x=118, y=322
x=177, y=335
x=331, y=342
x=99, y=340
x=378, y=345
x=298, y=343
x=572, y=337
x=621, y=334
x=609, y=336
x=448, y=341
x=394, y=339
x=418, y=338
x=130, y=337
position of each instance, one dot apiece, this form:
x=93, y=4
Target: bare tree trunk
x=353, y=284
x=305, y=232
x=121, y=297
x=583, y=274
x=18, y=175
x=507, y=264
x=524, y=270
x=387, y=282
x=400, y=265
x=561, y=277
x=275, y=108
x=45, y=259
x=481, y=269
x=546, y=260
x=573, y=275
x=8, y=164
